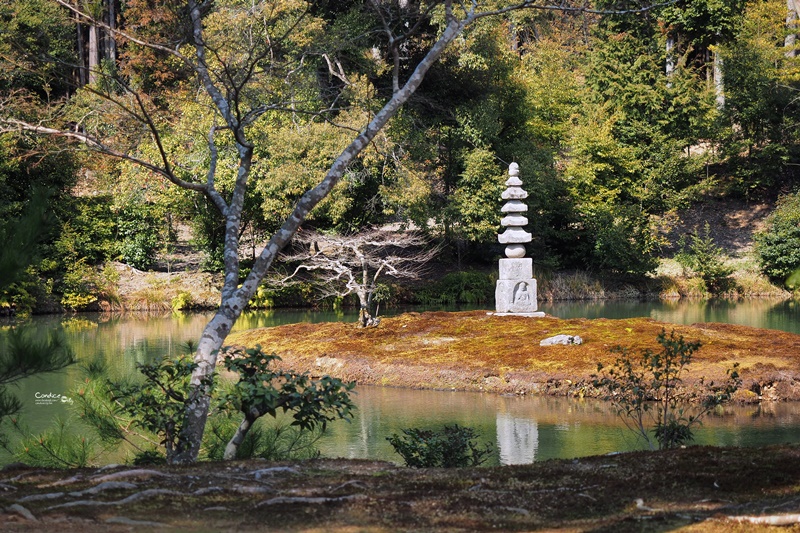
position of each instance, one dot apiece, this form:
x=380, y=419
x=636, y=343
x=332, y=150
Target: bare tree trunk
x=82, y=77
x=233, y=446
x=364, y=316
x=110, y=40
x=197, y=406
x=94, y=53
x=791, y=25
x=719, y=82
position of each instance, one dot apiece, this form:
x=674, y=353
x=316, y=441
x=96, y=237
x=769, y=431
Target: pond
x=522, y=429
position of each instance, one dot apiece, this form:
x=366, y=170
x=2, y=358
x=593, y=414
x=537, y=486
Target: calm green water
x=527, y=429
x=521, y=429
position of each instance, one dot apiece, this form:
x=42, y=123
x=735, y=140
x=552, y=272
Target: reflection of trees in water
x=766, y=313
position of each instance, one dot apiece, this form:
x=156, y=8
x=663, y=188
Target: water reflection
x=782, y=315
x=527, y=429
x=517, y=439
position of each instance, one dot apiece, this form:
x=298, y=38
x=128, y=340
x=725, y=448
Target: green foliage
x=452, y=447
x=292, y=295
x=778, y=244
x=85, y=239
x=761, y=107
x=21, y=237
x=78, y=289
x=264, y=391
x=473, y=207
x=647, y=390
x=95, y=405
x=381, y=294
x=624, y=241
x=158, y=404
x=139, y=234
x=64, y=445
x=87, y=233
x=605, y=139
x=208, y=231
x=21, y=356
x=458, y=287
x=182, y=301
x=706, y=259
x=705, y=22
x=32, y=29
x=278, y=441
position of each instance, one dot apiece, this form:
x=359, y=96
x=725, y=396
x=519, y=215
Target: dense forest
x=619, y=116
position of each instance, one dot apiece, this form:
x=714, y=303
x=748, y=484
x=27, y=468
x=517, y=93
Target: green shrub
x=452, y=447
x=778, y=245
x=279, y=441
x=706, y=259
x=159, y=403
x=139, y=235
x=648, y=393
x=624, y=241
x=78, y=288
x=182, y=301
x=262, y=390
x=293, y=295
x=88, y=233
x=467, y=287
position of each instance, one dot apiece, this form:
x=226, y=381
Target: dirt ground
x=692, y=489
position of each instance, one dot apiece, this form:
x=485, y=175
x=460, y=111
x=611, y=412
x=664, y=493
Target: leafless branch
x=354, y=264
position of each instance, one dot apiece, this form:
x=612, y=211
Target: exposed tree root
x=771, y=520
x=130, y=522
x=106, y=485
x=22, y=511
x=149, y=493
x=138, y=473
x=288, y=500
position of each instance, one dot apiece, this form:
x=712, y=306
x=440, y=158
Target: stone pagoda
x=516, y=289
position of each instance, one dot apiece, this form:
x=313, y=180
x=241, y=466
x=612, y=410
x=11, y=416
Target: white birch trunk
x=233, y=446
x=719, y=81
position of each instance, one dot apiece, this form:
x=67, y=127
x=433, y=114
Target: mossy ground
x=478, y=351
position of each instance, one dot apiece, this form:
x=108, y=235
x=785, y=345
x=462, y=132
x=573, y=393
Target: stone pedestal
x=516, y=289
x=515, y=293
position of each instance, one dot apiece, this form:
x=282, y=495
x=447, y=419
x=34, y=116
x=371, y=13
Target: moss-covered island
x=477, y=351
